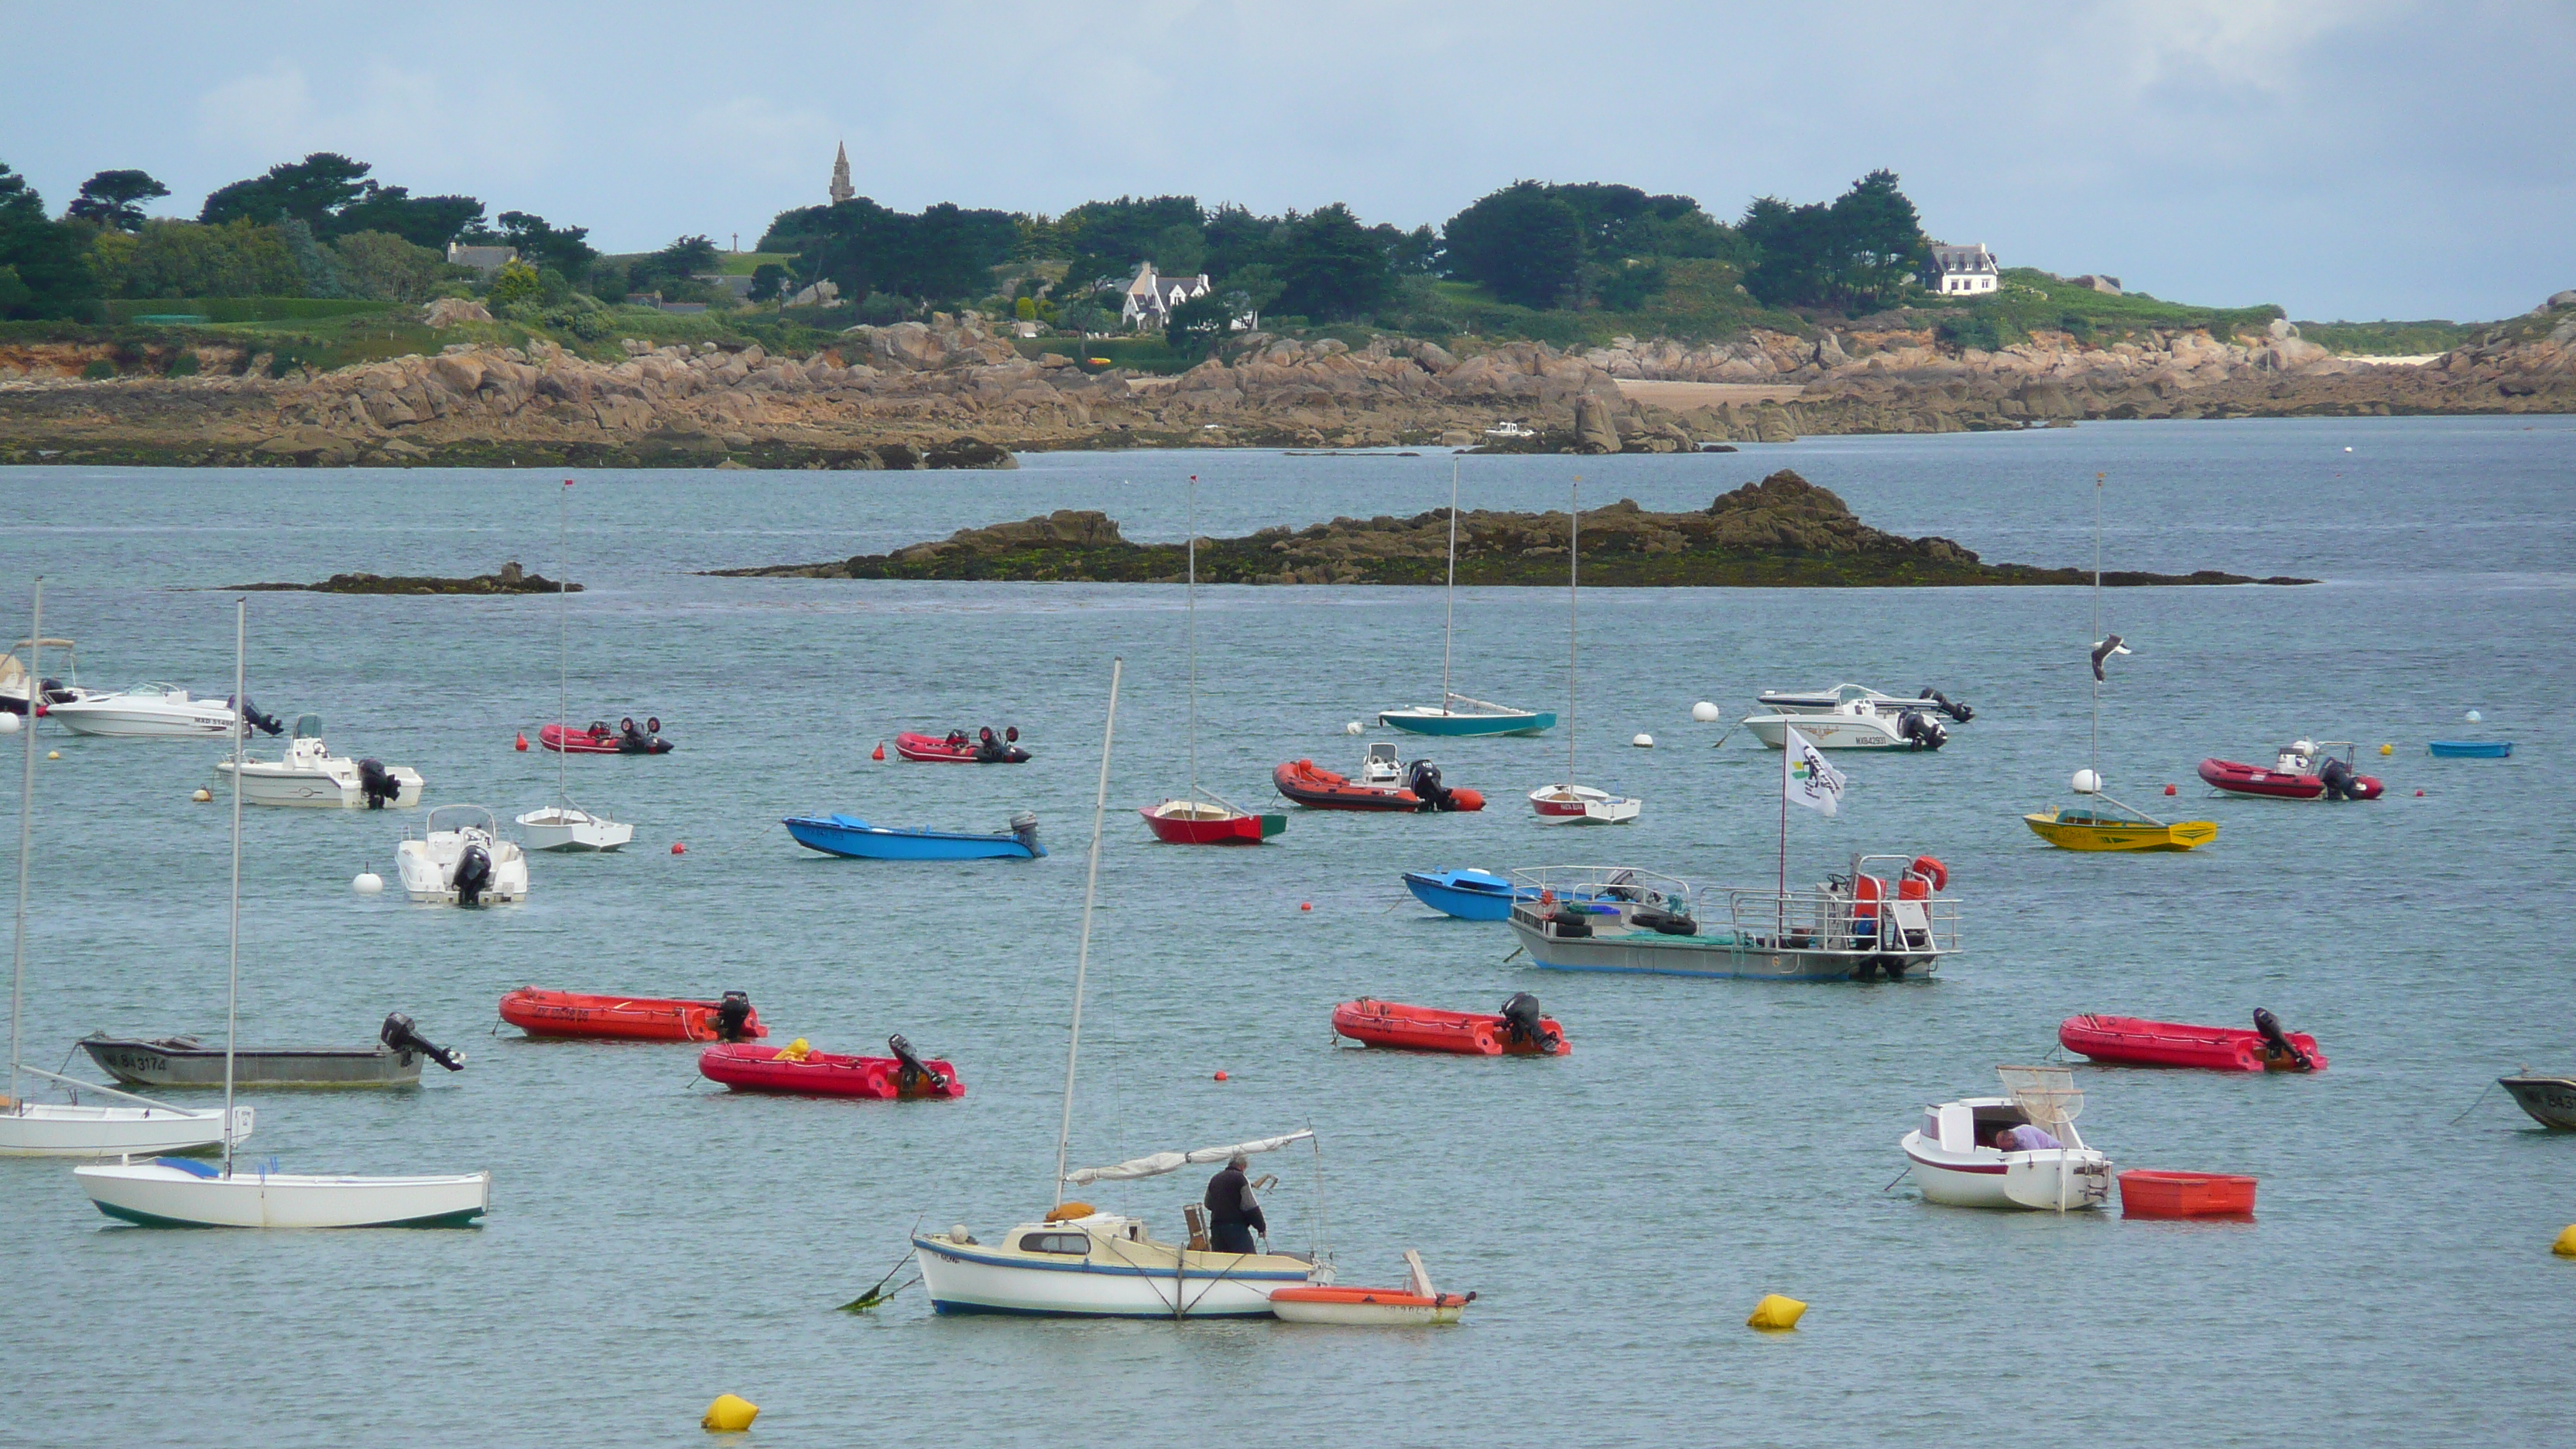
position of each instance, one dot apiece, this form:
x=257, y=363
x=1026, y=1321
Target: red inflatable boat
x=540, y=1012
x=599, y=739
x=2132, y=1041
x=959, y=748
x=1317, y=788
x=2302, y=771
x=826, y=1074
x=1469, y=1033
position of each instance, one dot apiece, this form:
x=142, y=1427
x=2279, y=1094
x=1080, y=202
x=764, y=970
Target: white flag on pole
x=1807, y=779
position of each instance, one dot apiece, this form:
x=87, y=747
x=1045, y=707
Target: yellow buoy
x=1775, y=1313
x=2565, y=1247
x=729, y=1414
x=2388, y=749
x=203, y=795
x=53, y=754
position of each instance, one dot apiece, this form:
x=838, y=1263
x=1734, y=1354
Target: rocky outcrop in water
x=511, y=579
x=1782, y=531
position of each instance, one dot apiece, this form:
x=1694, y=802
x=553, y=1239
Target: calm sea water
x=654, y=1242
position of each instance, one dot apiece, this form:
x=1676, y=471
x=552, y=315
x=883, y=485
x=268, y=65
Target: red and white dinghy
x=2134, y=1041
x=799, y=1070
x=1209, y=822
x=540, y=1012
x=959, y=748
x=1518, y=1030
x=2301, y=770
x=1415, y=1305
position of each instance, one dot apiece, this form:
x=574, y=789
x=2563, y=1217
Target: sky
x=2348, y=159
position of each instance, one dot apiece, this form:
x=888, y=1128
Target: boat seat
x=190, y=1166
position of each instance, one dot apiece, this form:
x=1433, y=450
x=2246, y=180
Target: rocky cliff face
x=950, y=393
x=1782, y=530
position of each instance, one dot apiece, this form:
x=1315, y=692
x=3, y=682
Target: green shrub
x=183, y=363
x=101, y=368
x=516, y=282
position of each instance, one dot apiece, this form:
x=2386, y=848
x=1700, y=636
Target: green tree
x=383, y=266
x=516, y=283
x=1856, y=253
x=768, y=280
x=1197, y=325
x=1179, y=251
x=319, y=270
x=1523, y=243
x=563, y=248
x=1250, y=289
x=311, y=190
x=186, y=259
x=1330, y=267
x=114, y=199
x=426, y=221
x=41, y=257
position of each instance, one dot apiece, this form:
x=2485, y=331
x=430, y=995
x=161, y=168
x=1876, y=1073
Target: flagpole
x=1786, y=749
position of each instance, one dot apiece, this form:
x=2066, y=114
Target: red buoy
x=1220, y=1076
x=522, y=745
x=880, y=751
x=1305, y=905
x=678, y=849
x=2419, y=794
x=2169, y=789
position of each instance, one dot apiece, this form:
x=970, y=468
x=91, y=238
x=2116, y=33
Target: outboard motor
x=916, y=1073
x=2278, y=1050
x=988, y=746
x=378, y=784
x=398, y=1034
x=733, y=1017
x=54, y=691
x=1949, y=706
x=1521, y=1022
x=1025, y=826
x=264, y=723
x=473, y=875
x=2337, y=777
x=1423, y=778
x=1922, y=730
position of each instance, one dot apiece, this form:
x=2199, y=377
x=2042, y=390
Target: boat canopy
x=1159, y=1163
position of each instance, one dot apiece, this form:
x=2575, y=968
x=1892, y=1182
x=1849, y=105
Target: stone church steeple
x=841, y=190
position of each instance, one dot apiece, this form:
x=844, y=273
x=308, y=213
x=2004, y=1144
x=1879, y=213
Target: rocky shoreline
x=1780, y=532
x=950, y=394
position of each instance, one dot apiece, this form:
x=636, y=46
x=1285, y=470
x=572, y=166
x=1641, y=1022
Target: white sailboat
x=1080, y=1262
x=564, y=825
x=1569, y=803
x=77, y=1128
x=175, y=1192
x=1457, y=716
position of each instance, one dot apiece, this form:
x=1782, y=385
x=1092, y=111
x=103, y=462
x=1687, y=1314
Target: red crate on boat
x=2185, y=1195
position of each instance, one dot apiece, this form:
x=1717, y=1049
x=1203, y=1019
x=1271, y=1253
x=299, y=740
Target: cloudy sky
x=2345, y=158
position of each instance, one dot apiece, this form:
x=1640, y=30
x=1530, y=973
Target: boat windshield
x=308, y=726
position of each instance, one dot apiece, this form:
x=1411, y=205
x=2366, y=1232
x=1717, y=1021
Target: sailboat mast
x=2096, y=641
x=1191, y=510
x=1573, y=571
x=26, y=832
x=1082, y=958
x=1449, y=604
x=563, y=639
x=232, y=983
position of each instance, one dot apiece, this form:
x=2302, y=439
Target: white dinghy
x=77, y=1128
x=1079, y=1262
x=460, y=859
x=175, y=1192
x=1957, y=1158
x=309, y=774
x=564, y=825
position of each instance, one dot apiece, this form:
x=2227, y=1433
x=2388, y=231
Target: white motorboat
x=1080, y=1262
x=309, y=774
x=77, y=1128
x=1824, y=701
x=154, y=711
x=1568, y=803
x=460, y=859
x=1855, y=724
x=178, y=1192
x=15, y=672
x=1958, y=1162
x=174, y=1192
x=565, y=825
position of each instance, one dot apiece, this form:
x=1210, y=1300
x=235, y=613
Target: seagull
x=2105, y=650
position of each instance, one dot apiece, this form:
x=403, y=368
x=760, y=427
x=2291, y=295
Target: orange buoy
x=880, y=751
x=1220, y=1076
x=679, y=849
x=1305, y=905
x=522, y=746
x=2169, y=789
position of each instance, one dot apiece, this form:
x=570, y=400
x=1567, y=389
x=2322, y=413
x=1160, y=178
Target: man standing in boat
x=1233, y=1213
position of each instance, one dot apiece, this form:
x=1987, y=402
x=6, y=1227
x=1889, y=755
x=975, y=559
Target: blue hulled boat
x=1470, y=895
x=2471, y=749
x=850, y=836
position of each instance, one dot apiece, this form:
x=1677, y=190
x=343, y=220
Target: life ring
x=1930, y=868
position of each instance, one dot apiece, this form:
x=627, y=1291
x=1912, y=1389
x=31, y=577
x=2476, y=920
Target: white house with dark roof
x=1961, y=271
x=1151, y=296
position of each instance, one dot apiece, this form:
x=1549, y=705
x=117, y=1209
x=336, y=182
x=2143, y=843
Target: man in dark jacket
x=1233, y=1214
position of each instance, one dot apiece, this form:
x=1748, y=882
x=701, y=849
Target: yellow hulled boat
x=2083, y=829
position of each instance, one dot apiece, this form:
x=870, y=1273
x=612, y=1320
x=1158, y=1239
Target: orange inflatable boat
x=540, y=1012
x=1518, y=1030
